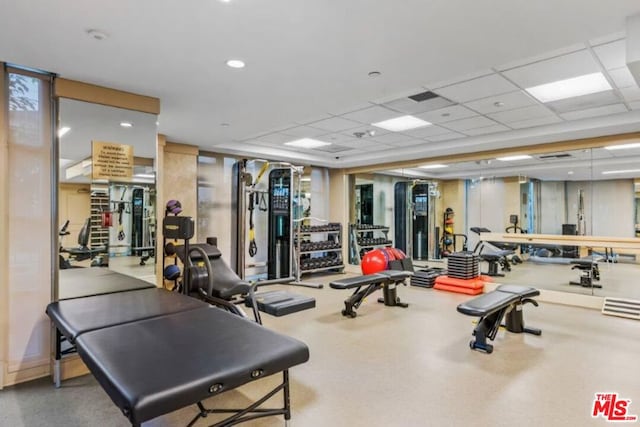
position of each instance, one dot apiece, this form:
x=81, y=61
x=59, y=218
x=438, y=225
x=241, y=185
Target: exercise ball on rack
x=374, y=261
x=171, y=272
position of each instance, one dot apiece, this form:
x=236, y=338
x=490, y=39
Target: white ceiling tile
x=275, y=138
x=542, y=57
x=470, y=123
x=529, y=123
x=372, y=114
x=392, y=138
x=510, y=100
x=612, y=55
x=607, y=39
x=339, y=111
x=316, y=118
x=584, y=102
x=631, y=93
x=622, y=77
x=447, y=114
x=426, y=131
x=409, y=106
x=635, y=105
x=303, y=132
x=335, y=124
x=365, y=129
x=519, y=114
x=486, y=130
x=551, y=70
x=459, y=79
x=595, y=112
x=482, y=87
x=445, y=136
x=399, y=95
x=410, y=143
x=333, y=148
x=337, y=138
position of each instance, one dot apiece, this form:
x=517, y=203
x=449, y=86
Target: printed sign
x=111, y=161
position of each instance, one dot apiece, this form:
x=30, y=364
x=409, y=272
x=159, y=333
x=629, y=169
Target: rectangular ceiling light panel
x=401, y=124
x=513, y=158
x=307, y=143
x=621, y=171
x=570, y=88
x=623, y=146
x=433, y=166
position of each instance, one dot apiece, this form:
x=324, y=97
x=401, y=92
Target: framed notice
x=111, y=161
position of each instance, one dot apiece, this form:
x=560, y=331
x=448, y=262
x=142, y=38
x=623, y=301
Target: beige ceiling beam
x=573, y=144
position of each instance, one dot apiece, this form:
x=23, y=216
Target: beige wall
x=74, y=204
x=4, y=226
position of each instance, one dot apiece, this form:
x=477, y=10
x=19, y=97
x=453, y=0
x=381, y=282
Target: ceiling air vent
x=555, y=156
x=424, y=96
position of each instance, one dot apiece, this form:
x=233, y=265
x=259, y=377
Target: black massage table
x=492, y=308
x=155, y=351
x=368, y=284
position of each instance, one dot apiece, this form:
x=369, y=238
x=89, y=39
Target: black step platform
x=281, y=303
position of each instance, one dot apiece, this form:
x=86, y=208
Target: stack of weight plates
x=463, y=265
x=427, y=278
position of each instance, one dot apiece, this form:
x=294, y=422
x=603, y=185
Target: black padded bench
x=492, y=308
x=159, y=351
x=368, y=284
x=589, y=272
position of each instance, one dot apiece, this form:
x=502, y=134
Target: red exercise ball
x=374, y=261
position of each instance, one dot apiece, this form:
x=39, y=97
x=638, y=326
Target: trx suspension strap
x=253, y=199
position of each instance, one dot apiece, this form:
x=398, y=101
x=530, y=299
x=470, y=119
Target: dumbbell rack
x=363, y=244
x=330, y=249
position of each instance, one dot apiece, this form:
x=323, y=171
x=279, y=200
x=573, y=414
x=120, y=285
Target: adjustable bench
x=492, y=308
x=589, y=272
x=387, y=280
x=155, y=351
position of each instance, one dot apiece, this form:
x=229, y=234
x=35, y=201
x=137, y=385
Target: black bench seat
x=492, y=308
x=368, y=284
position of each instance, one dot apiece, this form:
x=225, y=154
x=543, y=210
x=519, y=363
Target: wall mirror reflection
x=589, y=193
x=109, y=222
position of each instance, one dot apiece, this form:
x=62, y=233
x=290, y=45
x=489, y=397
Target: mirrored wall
x=585, y=192
x=107, y=189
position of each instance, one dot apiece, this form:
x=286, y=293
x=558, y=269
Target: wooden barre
x=564, y=240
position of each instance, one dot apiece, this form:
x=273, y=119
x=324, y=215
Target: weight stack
x=463, y=265
x=427, y=278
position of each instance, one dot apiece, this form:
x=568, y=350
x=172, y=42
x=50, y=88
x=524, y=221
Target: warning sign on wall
x=111, y=161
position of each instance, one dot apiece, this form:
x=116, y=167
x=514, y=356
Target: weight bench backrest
x=502, y=297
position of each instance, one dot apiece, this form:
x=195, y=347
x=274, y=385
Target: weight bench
x=387, y=280
x=589, y=272
x=155, y=351
x=492, y=308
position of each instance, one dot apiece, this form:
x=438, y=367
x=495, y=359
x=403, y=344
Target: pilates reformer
x=387, y=280
x=492, y=307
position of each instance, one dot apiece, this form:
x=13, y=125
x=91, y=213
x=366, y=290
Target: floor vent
x=622, y=308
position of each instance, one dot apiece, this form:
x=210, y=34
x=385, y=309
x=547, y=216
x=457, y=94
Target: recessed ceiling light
x=433, y=166
x=621, y=171
x=623, y=146
x=402, y=123
x=235, y=63
x=374, y=73
x=225, y=1
x=498, y=104
x=97, y=34
x=63, y=130
x=569, y=88
x=570, y=173
x=513, y=158
x=307, y=143
x=126, y=124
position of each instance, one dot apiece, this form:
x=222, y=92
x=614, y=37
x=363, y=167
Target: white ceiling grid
x=484, y=103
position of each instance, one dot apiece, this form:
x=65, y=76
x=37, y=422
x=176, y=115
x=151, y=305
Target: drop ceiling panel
x=409, y=106
x=483, y=87
x=392, y=138
x=315, y=118
x=486, y=130
x=332, y=148
x=275, y=138
x=410, y=143
x=372, y=114
x=612, y=55
x=520, y=114
x=335, y=124
x=470, y=123
x=551, y=70
x=510, y=101
x=426, y=131
x=584, y=102
x=547, y=55
x=445, y=136
x=631, y=93
x=339, y=111
x=635, y=105
x=459, y=79
x=595, y=112
x=529, y=123
x=303, y=132
x=622, y=77
x=447, y=114
x=337, y=138
x=363, y=130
